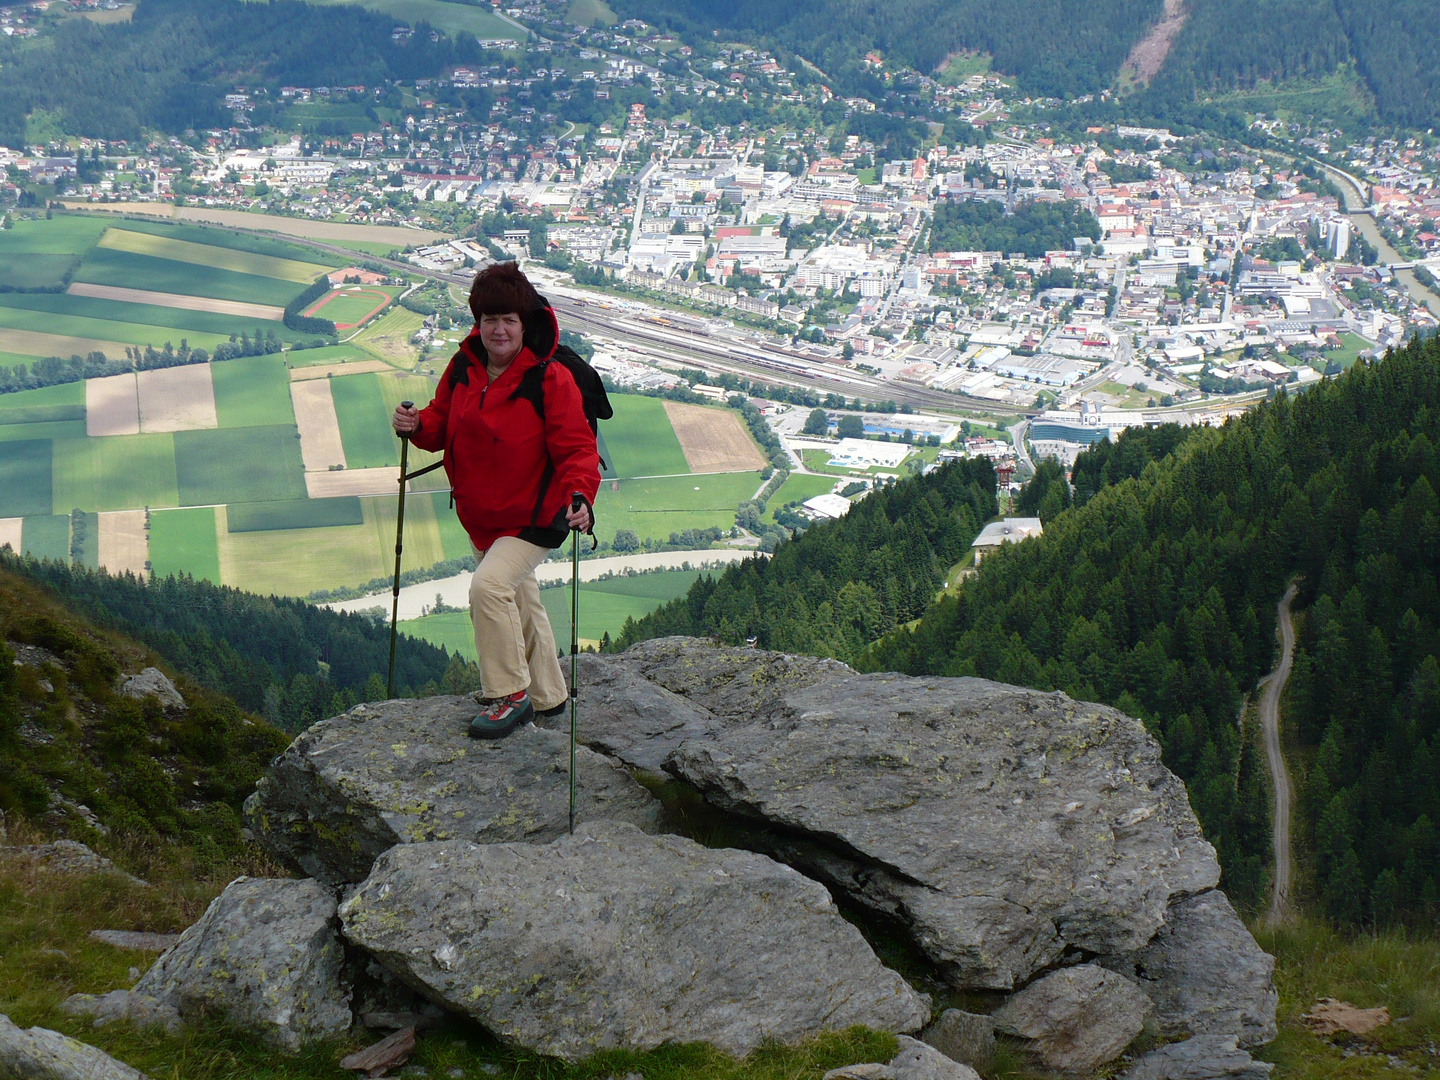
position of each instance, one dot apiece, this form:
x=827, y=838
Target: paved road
x=455, y=591
x=1274, y=684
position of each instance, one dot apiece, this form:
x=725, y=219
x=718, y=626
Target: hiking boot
x=502, y=716
x=554, y=710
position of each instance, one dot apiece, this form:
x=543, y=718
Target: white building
x=1009, y=531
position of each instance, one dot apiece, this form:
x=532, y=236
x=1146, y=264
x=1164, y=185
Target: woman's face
x=502, y=337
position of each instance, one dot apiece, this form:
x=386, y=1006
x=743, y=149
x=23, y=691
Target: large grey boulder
x=265, y=956
x=404, y=772
x=41, y=1054
x=1079, y=1018
x=1002, y=826
x=615, y=939
x=1205, y=1057
x=1205, y=973
x=968, y=1038
x=153, y=683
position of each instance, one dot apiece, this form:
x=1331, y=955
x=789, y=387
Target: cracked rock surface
x=404, y=772
x=612, y=938
x=41, y=1054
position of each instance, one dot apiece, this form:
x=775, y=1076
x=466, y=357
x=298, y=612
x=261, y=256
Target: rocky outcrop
x=65, y=857
x=404, y=772
x=265, y=956
x=1001, y=825
x=1205, y=973
x=1205, y=1057
x=1078, y=1018
x=153, y=683
x=612, y=938
x=41, y=1054
x=968, y=1038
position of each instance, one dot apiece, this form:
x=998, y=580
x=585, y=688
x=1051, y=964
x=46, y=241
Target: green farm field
x=388, y=337
x=171, y=323
x=641, y=439
x=590, y=13
x=106, y=266
x=34, y=253
x=25, y=486
x=604, y=607
x=210, y=256
x=46, y=537
x=657, y=507
x=118, y=472
x=57, y=429
x=800, y=486
x=235, y=241
x=250, y=464
x=27, y=320
x=184, y=542
x=252, y=391
x=332, y=354
x=364, y=426
x=42, y=397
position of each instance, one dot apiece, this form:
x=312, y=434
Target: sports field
x=659, y=506
x=641, y=439
x=184, y=542
x=604, y=607
x=347, y=308
x=252, y=391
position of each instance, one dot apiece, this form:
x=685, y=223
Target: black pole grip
x=406, y=434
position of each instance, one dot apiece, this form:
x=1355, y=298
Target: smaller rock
x=921, y=1061
x=65, y=857
x=41, y=1054
x=968, y=1038
x=1205, y=1057
x=861, y=1072
x=136, y=940
x=1079, y=1017
x=1329, y=1017
x=152, y=682
x=455, y=1072
x=265, y=956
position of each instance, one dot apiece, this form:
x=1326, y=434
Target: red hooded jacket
x=512, y=473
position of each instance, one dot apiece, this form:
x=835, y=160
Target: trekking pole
x=576, y=501
x=399, y=546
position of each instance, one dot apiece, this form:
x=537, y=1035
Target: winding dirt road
x=1274, y=685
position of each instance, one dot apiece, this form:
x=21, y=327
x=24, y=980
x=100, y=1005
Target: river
x=1364, y=220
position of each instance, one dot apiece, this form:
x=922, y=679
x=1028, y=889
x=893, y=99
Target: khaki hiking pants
x=512, y=630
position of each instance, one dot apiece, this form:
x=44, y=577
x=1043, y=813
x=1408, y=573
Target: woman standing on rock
x=518, y=452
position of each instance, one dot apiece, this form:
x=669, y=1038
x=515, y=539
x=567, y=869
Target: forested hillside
x=843, y=583
x=170, y=67
x=280, y=657
x=1158, y=595
x=1057, y=47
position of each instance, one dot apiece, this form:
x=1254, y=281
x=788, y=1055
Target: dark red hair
x=502, y=288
